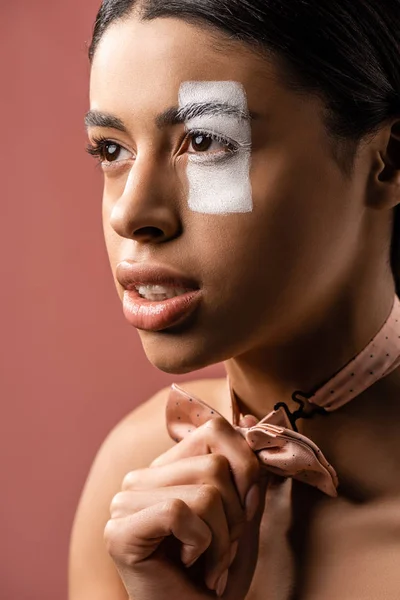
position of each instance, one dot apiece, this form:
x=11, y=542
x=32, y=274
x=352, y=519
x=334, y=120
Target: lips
x=157, y=315
x=130, y=274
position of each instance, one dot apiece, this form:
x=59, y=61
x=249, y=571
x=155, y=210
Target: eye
x=111, y=151
x=108, y=151
x=210, y=143
x=201, y=142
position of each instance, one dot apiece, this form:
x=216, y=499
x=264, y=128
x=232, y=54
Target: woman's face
x=259, y=217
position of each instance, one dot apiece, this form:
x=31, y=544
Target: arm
x=129, y=446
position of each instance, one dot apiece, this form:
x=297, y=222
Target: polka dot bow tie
x=279, y=446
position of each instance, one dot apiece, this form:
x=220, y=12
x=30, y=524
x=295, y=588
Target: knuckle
x=117, y=504
x=129, y=559
x=173, y=508
x=115, y=542
x=129, y=480
x=208, y=494
x=218, y=465
x=109, y=536
x=218, y=424
x=108, y=530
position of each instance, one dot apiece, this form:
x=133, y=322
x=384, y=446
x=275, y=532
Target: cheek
x=305, y=217
x=220, y=188
x=107, y=230
x=112, y=241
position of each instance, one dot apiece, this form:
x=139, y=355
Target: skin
x=306, y=281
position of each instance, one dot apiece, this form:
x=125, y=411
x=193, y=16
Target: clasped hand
x=187, y=526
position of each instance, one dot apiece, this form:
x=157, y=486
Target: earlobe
x=385, y=184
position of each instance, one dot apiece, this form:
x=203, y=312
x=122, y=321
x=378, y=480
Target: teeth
x=157, y=293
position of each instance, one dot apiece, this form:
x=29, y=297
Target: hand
x=202, y=498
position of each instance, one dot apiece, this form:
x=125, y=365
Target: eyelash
x=97, y=147
x=215, y=137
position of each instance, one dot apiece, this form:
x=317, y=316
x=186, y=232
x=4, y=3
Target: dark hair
x=345, y=51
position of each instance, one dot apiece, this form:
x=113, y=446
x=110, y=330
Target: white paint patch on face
x=219, y=183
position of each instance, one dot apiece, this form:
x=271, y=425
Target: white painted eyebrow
x=200, y=109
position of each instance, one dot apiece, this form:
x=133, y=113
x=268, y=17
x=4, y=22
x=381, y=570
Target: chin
x=174, y=369
x=177, y=356
x=177, y=365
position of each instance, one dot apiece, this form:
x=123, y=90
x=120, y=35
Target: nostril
x=148, y=233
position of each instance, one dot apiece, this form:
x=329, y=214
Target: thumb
x=248, y=421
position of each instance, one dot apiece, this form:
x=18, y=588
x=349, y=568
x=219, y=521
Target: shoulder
x=152, y=412
x=132, y=444
x=142, y=435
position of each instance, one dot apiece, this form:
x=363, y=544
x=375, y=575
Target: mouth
x=159, y=312
x=152, y=278
x=159, y=293
x=156, y=297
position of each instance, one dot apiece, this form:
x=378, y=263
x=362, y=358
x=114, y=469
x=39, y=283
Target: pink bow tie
x=280, y=449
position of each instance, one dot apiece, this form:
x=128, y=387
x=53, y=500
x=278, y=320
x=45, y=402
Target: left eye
x=207, y=142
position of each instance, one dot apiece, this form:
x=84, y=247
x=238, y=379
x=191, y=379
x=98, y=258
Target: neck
x=357, y=438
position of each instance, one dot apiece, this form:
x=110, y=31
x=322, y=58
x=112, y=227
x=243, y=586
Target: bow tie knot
x=279, y=449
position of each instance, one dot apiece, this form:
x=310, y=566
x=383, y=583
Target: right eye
x=107, y=151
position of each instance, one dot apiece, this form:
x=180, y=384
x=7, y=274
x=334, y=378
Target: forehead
x=139, y=67
x=148, y=61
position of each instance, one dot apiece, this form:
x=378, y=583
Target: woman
x=251, y=158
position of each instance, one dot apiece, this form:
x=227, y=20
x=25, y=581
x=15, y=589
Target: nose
x=148, y=209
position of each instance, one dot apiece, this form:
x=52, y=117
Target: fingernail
x=191, y=563
x=221, y=583
x=252, y=501
x=189, y=555
x=234, y=549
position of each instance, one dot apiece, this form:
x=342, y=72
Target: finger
x=217, y=436
x=133, y=538
x=203, y=500
x=248, y=421
x=212, y=469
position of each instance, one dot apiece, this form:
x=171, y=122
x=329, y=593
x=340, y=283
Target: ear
x=384, y=189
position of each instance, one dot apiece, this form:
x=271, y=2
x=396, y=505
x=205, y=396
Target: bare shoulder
x=152, y=413
x=142, y=435
x=132, y=444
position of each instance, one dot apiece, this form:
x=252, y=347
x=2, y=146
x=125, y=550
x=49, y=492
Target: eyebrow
x=171, y=116
x=175, y=116
x=96, y=118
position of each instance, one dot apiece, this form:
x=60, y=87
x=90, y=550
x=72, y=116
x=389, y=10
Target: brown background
x=71, y=367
